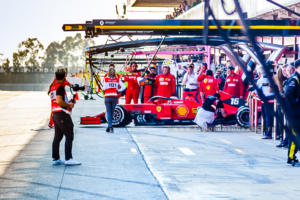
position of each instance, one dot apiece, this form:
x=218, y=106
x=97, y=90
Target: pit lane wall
x=28, y=81
x=253, y=8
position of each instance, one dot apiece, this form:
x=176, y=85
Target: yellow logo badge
x=194, y=111
x=208, y=87
x=158, y=108
x=182, y=111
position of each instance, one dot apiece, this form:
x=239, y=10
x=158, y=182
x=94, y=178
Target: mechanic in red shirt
x=209, y=86
x=234, y=84
x=202, y=72
x=133, y=88
x=165, y=83
x=149, y=89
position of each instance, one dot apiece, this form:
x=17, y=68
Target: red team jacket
x=234, y=85
x=165, y=85
x=209, y=86
x=131, y=79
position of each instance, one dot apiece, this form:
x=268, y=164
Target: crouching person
x=61, y=109
x=206, y=114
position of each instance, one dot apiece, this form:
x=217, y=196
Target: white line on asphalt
x=186, y=151
x=225, y=141
x=133, y=150
x=239, y=151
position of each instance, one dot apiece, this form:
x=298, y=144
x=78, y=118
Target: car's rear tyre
x=120, y=117
x=242, y=116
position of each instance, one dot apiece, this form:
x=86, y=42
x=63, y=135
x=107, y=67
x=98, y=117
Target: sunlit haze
x=44, y=18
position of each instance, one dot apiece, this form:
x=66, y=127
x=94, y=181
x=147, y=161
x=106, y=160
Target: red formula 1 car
x=168, y=111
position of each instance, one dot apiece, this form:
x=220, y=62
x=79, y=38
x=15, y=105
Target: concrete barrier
x=30, y=81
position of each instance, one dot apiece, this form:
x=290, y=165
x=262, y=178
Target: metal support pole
x=255, y=114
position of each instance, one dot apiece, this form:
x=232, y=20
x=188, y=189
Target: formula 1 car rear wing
x=234, y=28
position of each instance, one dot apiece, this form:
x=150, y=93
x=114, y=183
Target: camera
x=76, y=87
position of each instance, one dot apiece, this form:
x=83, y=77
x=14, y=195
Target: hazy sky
x=43, y=19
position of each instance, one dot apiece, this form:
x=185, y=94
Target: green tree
x=69, y=53
x=4, y=63
x=51, y=56
x=28, y=54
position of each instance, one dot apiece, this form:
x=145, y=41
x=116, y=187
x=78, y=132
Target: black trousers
x=63, y=126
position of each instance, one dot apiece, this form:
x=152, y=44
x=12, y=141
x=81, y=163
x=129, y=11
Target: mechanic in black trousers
x=63, y=124
x=292, y=95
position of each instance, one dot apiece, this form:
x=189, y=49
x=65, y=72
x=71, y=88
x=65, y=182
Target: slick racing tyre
x=120, y=117
x=242, y=116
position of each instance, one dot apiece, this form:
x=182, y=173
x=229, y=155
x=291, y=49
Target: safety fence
x=256, y=120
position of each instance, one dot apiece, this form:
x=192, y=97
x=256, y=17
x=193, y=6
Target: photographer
x=61, y=109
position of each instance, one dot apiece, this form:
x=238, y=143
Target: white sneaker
x=71, y=161
x=58, y=162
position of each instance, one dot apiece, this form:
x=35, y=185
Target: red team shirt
x=209, y=86
x=234, y=85
x=165, y=85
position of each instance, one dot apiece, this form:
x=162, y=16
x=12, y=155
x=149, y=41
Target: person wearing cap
x=165, y=83
x=61, y=109
x=292, y=97
x=234, y=84
x=206, y=114
x=133, y=88
x=149, y=89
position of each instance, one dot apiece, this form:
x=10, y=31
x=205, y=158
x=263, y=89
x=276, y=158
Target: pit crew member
x=209, y=85
x=234, y=84
x=165, y=83
x=149, y=89
x=133, y=88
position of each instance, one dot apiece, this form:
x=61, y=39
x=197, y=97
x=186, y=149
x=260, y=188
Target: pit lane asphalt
x=174, y=162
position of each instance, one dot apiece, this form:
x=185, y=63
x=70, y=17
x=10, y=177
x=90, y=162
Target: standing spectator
x=234, y=84
x=209, y=86
x=133, y=88
x=190, y=80
x=267, y=105
x=112, y=85
x=220, y=79
x=287, y=71
x=165, y=83
x=292, y=94
x=280, y=79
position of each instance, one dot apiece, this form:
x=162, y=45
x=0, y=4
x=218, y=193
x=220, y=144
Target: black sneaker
x=267, y=137
x=292, y=161
x=107, y=130
x=296, y=159
x=281, y=145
